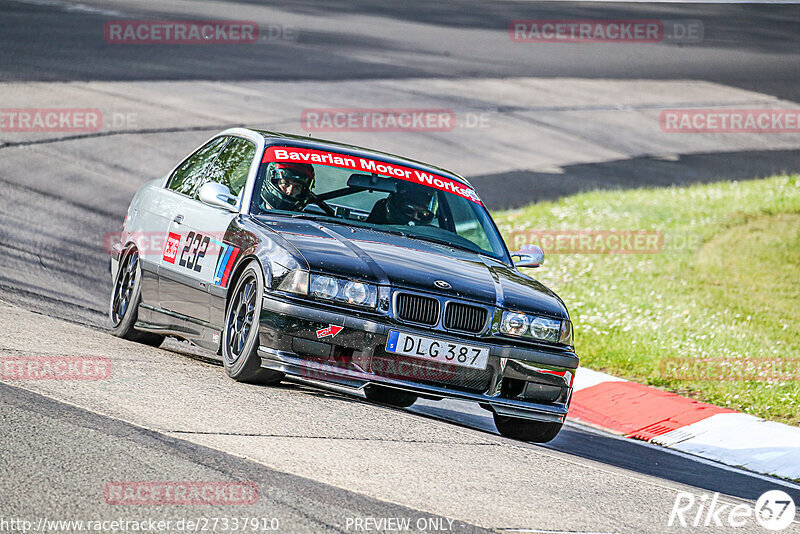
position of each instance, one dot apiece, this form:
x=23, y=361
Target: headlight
x=532, y=326
x=324, y=287
x=348, y=291
x=566, y=333
x=359, y=294
x=547, y=329
x=515, y=324
x=295, y=282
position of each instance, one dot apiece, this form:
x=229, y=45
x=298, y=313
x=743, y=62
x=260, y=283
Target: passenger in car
x=410, y=205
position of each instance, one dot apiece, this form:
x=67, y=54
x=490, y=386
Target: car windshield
x=372, y=199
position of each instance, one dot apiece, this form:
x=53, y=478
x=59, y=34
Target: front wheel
x=125, y=299
x=525, y=430
x=240, y=336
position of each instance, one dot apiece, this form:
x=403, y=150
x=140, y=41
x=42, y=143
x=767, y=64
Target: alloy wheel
x=123, y=289
x=241, y=318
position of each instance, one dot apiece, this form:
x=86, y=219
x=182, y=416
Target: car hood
x=404, y=262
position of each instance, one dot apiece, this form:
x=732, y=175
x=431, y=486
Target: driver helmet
x=287, y=186
x=411, y=204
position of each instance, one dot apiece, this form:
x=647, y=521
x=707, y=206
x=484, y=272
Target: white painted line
x=689, y=456
x=585, y=378
x=732, y=439
x=742, y=440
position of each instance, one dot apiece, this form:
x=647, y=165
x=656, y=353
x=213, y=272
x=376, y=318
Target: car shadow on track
x=629, y=454
x=574, y=439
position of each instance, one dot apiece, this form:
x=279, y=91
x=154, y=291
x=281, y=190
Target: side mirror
x=528, y=256
x=217, y=195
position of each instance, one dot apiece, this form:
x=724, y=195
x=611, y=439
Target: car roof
x=278, y=138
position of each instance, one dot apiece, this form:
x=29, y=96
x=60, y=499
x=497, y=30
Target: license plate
x=437, y=350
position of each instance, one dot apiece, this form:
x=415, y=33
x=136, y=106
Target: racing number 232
x=195, y=249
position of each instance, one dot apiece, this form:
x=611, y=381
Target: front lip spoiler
x=297, y=367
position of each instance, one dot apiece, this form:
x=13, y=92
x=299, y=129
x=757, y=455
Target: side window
x=186, y=176
x=232, y=166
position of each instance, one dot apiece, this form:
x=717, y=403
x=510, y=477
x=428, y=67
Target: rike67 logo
x=171, y=247
x=774, y=510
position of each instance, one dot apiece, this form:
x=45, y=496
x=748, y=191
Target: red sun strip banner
x=307, y=155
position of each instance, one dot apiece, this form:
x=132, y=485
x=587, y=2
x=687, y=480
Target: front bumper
x=518, y=381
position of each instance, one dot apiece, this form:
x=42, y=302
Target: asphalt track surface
x=319, y=457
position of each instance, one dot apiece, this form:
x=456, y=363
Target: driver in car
x=410, y=205
x=287, y=186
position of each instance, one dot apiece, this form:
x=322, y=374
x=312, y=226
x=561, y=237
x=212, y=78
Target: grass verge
x=710, y=313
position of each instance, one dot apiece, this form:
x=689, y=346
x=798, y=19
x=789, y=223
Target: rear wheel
x=525, y=430
x=240, y=336
x=394, y=397
x=125, y=299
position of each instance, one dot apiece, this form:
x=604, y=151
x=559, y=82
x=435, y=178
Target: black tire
x=525, y=430
x=393, y=397
x=125, y=298
x=240, y=335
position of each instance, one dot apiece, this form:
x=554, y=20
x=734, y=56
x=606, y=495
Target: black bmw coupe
x=293, y=257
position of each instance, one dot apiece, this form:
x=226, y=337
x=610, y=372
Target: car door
x=202, y=259
x=152, y=215
x=179, y=189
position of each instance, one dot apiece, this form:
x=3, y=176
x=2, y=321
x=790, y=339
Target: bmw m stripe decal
x=227, y=257
x=222, y=261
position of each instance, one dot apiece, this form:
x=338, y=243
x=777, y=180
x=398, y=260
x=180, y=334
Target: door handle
x=178, y=219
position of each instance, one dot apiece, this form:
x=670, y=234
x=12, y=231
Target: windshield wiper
x=310, y=216
x=379, y=228
x=326, y=218
x=442, y=242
